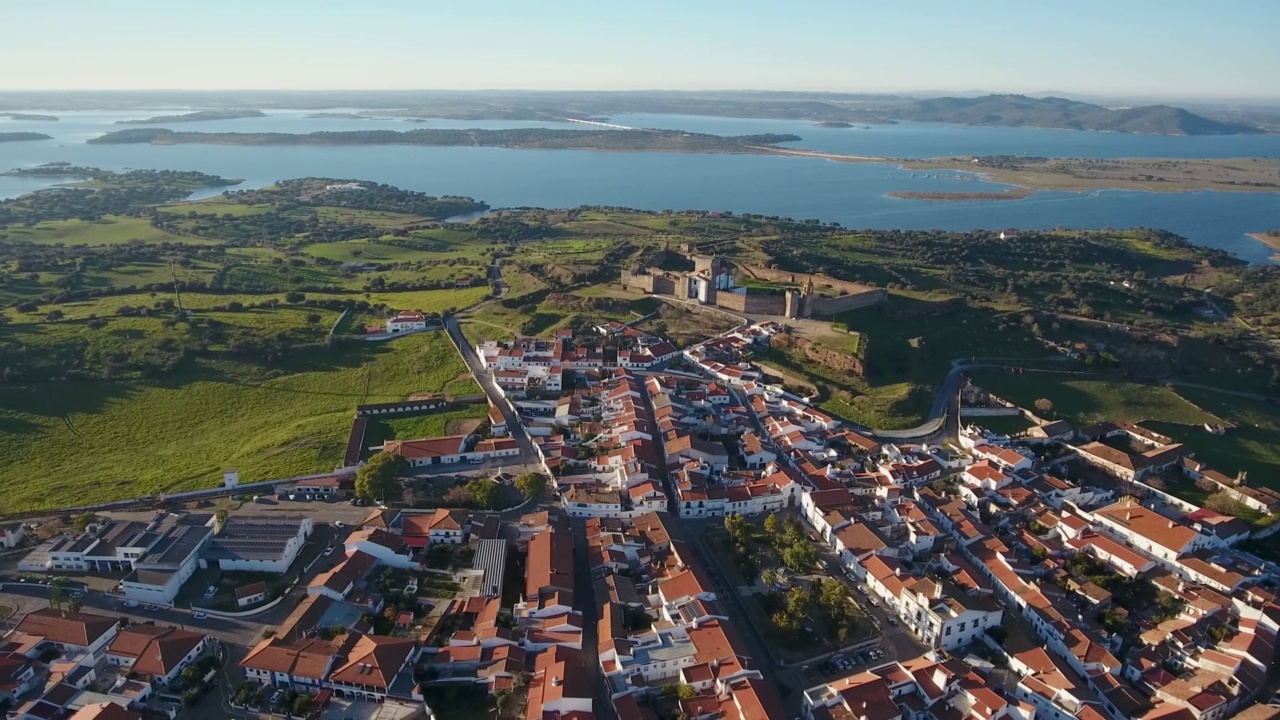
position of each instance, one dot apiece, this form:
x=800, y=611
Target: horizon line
x=971, y=91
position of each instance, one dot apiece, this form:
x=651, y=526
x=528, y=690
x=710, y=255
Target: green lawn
x=1087, y=399
x=79, y=443
x=454, y=421
x=1253, y=445
x=111, y=230
x=1003, y=424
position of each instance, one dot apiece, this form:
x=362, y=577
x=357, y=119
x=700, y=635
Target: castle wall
x=822, y=306
x=840, y=286
x=752, y=304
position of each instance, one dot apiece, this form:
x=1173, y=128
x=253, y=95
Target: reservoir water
x=848, y=193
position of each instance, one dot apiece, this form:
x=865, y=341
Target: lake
x=849, y=193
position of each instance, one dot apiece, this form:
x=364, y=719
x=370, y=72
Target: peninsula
x=28, y=116
x=198, y=116
x=529, y=138
x=20, y=136
x=1032, y=173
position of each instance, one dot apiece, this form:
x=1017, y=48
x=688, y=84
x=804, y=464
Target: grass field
x=455, y=421
x=365, y=251
x=214, y=206
x=111, y=230
x=80, y=443
x=1253, y=445
x=1085, y=399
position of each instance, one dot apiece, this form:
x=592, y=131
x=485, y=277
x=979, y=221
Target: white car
x=328, y=551
x=151, y=608
x=130, y=603
x=874, y=602
x=200, y=616
x=339, y=524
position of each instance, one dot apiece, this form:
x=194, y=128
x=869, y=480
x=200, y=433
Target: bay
x=851, y=194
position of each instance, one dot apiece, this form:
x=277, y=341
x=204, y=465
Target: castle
x=713, y=281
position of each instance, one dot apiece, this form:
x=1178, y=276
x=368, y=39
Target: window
x=948, y=630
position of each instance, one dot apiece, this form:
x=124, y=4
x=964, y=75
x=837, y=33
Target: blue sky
x=1170, y=48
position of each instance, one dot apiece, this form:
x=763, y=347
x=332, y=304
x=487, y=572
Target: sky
x=1148, y=48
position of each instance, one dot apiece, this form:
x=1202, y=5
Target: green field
x=1252, y=445
x=453, y=421
x=111, y=230
x=1085, y=399
x=79, y=443
x=366, y=251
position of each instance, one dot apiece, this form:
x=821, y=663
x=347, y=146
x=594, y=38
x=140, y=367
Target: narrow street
x=528, y=456
x=584, y=594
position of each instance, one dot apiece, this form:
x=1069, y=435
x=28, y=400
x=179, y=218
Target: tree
x=483, y=492
x=771, y=524
x=380, y=476
x=797, y=603
x=313, y=318
x=57, y=593
x=301, y=704
x=1225, y=504
x=685, y=691
x=532, y=485
x=800, y=557
x=74, y=604
x=502, y=700
x=1044, y=405
x=54, y=316
x=85, y=520
x=769, y=577
x=833, y=596
x=736, y=525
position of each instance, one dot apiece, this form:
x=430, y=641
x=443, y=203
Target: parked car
x=200, y=616
x=859, y=658
x=275, y=698
x=130, y=603
x=893, y=620
x=339, y=524
x=863, y=589
x=874, y=602
x=151, y=608
x=328, y=551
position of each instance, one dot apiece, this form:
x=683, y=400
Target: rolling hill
x=1052, y=112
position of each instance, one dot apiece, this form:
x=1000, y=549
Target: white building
x=258, y=544
x=408, y=321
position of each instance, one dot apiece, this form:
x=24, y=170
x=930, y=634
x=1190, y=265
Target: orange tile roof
x=374, y=660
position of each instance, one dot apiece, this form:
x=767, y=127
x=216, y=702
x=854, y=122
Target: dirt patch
x=462, y=427
x=434, y=396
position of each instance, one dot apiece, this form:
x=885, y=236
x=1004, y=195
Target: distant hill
x=22, y=136
x=1053, y=112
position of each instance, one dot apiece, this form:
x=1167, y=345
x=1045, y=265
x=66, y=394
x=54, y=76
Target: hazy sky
x=1174, y=48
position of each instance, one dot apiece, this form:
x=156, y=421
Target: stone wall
x=820, y=306
x=819, y=281
x=751, y=304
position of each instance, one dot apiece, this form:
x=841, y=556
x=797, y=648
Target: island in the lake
x=198, y=116
x=22, y=136
x=527, y=138
x=833, y=124
x=337, y=116
x=28, y=116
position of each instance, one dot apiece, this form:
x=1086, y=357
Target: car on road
x=874, y=602
x=200, y=616
x=151, y=608
x=339, y=524
x=129, y=603
x=893, y=620
x=859, y=658
x=328, y=551
x=275, y=698
x=863, y=589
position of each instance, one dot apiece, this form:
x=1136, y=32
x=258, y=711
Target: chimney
x=1128, y=516
x=555, y=681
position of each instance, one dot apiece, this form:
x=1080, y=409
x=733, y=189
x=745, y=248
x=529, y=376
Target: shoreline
x=1271, y=241
x=1009, y=193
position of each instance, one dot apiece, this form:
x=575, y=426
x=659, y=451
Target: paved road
x=29, y=596
x=527, y=454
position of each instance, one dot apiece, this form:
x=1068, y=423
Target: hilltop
x=1053, y=112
